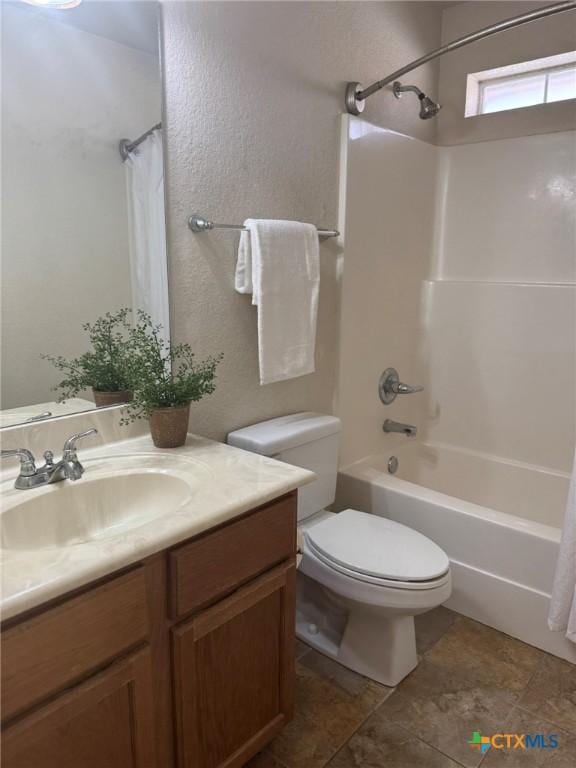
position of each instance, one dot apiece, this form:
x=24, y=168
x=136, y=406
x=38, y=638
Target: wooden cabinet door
x=106, y=722
x=234, y=673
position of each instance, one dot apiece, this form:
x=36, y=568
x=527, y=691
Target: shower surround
x=460, y=272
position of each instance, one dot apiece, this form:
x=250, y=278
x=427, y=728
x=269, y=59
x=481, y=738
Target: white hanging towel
x=279, y=264
x=562, y=616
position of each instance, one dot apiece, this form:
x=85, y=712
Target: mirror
x=83, y=230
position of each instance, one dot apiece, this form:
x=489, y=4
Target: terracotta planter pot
x=111, y=398
x=169, y=426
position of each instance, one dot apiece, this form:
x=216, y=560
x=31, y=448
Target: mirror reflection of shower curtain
x=147, y=229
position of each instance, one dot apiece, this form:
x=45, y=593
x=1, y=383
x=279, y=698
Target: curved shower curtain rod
x=126, y=146
x=356, y=95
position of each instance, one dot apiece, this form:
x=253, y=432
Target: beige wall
x=254, y=93
x=531, y=41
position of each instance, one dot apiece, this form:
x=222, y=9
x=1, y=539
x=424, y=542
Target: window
x=521, y=85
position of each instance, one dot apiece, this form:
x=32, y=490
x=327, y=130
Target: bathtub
x=493, y=519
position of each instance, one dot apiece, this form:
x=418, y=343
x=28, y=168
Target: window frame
x=477, y=82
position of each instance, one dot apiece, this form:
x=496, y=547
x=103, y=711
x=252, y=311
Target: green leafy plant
x=162, y=374
x=105, y=368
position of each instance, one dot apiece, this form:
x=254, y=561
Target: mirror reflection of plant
x=105, y=368
x=162, y=374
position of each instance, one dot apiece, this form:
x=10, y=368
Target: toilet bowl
x=382, y=574
x=361, y=578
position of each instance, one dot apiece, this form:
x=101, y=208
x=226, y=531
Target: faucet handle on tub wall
x=390, y=386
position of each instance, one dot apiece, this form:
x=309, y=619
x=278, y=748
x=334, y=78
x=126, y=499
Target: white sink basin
x=114, y=496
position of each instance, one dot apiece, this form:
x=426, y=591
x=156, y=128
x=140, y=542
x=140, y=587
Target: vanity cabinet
x=185, y=660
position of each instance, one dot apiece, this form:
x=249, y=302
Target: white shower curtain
x=562, y=617
x=149, y=272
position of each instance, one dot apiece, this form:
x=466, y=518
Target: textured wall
x=531, y=41
x=253, y=98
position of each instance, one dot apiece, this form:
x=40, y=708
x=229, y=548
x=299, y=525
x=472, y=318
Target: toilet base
x=381, y=648
x=376, y=645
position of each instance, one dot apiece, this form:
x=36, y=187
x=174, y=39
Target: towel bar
x=198, y=223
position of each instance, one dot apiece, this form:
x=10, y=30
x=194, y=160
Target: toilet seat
x=398, y=586
x=378, y=551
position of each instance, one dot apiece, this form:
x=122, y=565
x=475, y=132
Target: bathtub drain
x=392, y=465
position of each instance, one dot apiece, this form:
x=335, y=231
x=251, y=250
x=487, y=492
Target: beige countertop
x=226, y=483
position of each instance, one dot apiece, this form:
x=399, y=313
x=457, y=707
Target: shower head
x=428, y=108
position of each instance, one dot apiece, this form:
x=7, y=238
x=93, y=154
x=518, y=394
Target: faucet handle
x=27, y=463
x=70, y=444
x=390, y=386
x=406, y=389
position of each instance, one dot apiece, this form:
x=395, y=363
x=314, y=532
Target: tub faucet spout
x=402, y=429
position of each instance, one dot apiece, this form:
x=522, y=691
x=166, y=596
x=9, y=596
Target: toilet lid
x=375, y=546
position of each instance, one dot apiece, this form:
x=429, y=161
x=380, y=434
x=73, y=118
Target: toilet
x=361, y=578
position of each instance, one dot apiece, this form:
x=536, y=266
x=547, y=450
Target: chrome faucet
x=68, y=468
x=402, y=429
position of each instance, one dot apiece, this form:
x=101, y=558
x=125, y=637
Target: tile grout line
x=400, y=727
x=456, y=621
x=423, y=741
x=302, y=655
x=547, y=720
x=527, y=712
x=484, y=756
x=266, y=751
x=355, y=731
x=534, y=673
x=368, y=714
x=431, y=746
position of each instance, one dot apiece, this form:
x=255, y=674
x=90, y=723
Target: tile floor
x=470, y=678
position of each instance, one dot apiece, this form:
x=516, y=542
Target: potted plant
x=165, y=378
x=104, y=369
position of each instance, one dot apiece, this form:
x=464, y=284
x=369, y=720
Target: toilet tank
x=308, y=440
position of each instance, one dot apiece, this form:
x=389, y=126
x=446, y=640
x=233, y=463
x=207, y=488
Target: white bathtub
x=488, y=517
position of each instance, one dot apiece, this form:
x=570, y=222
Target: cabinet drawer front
x=46, y=653
x=215, y=564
